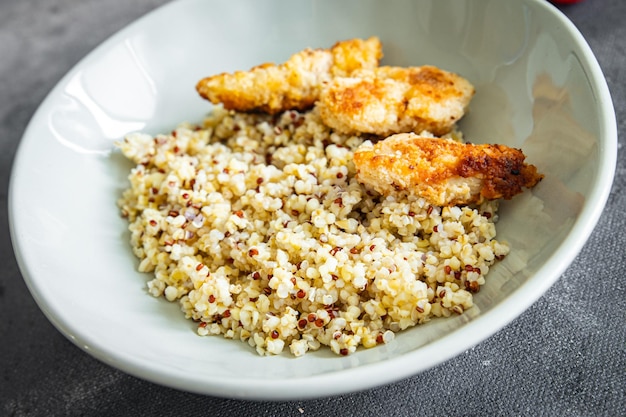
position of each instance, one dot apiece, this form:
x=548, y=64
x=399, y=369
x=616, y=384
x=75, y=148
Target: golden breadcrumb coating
x=443, y=171
x=389, y=100
x=294, y=84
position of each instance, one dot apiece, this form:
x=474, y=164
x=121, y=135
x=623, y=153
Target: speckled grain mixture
x=257, y=226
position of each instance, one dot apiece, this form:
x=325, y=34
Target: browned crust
x=390, y=100
x=433, y=168
x=294, y=84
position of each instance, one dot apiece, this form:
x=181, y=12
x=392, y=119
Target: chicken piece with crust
x=389, y=100
x=442, y=171
x=294, y=84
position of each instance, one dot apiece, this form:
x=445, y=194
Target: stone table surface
x=566, y=355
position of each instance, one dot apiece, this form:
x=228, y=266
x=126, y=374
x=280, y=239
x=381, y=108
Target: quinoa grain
x=257, y=226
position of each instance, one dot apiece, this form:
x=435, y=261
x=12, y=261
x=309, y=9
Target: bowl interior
x=538, y=88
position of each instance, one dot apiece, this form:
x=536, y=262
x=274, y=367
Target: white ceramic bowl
x=538, y=85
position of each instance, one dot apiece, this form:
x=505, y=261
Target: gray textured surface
x=565, y=356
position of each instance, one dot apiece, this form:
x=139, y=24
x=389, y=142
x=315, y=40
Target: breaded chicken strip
x=390, y=100
x=294, y=84
x=442, y=171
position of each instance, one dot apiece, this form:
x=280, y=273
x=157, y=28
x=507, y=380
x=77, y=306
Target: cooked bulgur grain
x=258, y=227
